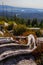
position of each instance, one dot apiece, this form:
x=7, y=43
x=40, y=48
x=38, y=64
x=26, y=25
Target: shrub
x=38, y=33
x=10, y=27
x=19, y=29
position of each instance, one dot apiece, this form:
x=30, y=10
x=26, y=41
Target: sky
x=23, y=3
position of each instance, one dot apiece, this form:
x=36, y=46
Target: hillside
x=21, y=12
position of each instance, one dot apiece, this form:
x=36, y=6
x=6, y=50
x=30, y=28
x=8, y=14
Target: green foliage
x=10, y=27
x=20, y=25
x=38, y=33
x=34, y=23
x=41, y=24
x=19, y=20
x=19, y=29
x=28, y=23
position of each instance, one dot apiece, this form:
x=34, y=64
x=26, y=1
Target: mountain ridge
x=21, y=12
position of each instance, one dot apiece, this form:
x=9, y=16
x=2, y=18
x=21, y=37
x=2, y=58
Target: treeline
x=28, y=22
x=18, y=26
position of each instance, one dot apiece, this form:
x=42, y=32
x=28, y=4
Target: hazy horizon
x=23, y=3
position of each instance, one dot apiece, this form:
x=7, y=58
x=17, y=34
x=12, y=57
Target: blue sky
x=24, y=3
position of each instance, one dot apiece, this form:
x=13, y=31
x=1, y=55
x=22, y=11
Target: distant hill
x=21, y=12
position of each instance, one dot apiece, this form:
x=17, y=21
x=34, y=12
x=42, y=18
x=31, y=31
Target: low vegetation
x=18, y=26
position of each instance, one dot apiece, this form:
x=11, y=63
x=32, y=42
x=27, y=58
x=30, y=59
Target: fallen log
x=7, y=54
